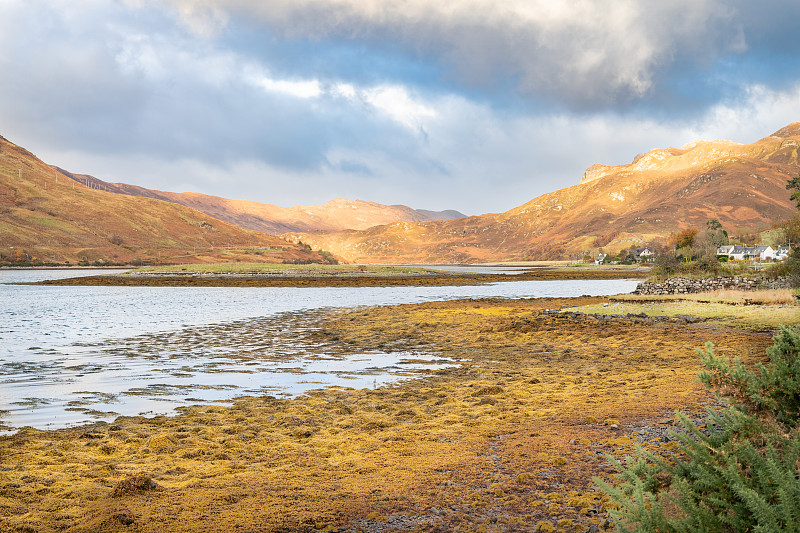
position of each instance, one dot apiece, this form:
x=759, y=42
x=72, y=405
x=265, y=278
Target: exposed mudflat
x=341, y=280
x=508, y=440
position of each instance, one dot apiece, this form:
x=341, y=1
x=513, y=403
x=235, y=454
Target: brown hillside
x=47, y=216
x=335, y=215
x=614, y=207
x=338, y=214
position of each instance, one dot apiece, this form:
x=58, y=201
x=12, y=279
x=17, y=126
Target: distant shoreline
x=334, y=280
x=75, y=267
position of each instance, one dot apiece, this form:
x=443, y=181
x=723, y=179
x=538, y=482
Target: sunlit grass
x=751, y=316
x=728, y=296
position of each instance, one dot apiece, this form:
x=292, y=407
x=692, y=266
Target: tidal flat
x=277, y=275
x=508, y=439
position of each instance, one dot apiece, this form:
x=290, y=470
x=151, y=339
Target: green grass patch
x=48, y=222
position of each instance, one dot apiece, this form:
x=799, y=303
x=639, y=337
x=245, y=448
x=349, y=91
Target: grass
x=277, y=268
x=727, y=296
x=744, y=309
x=693, y=270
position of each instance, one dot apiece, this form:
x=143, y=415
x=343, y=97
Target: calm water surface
x=71, y=355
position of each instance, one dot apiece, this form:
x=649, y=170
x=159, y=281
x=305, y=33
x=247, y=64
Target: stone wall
x=689, y=285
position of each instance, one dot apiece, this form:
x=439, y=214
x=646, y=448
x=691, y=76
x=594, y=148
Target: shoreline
x=509, y=439
x=67, y=268
x=336, y=280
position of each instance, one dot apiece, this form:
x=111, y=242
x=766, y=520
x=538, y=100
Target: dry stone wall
x=688, y=285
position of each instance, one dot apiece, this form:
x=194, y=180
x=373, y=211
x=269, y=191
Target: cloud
x=583, y=54
x=398, y=104
x=472, y=159
x=298, y=89
x=144, y=88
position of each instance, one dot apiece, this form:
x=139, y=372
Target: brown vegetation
x=48, y=217
x=338, y=214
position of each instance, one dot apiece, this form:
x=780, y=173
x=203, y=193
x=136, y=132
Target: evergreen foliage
x=793, y=185
x=739, y=473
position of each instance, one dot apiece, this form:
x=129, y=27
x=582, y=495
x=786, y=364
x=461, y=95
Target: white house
x=726, y=250
x=765, y=253
x=740, y=253
x=781, y=253
x=601, y=258
x=643, y=254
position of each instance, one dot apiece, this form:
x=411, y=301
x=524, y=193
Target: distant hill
x=338, y=214
x=52, y=215
x=613, y=207
x=56, y=215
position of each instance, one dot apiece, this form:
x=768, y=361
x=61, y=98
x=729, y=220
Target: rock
x=135, y=485
x=124, y=517
x=681, y=285
x=491, y=390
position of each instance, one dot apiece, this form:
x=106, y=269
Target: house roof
x=749, y=250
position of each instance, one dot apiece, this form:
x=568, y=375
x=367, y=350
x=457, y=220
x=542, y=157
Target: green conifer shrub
x=739, y=473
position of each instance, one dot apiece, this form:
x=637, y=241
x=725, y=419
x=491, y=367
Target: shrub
x=741, y=472
x=787, y=269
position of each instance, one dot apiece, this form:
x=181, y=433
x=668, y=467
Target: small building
x=600, y=259
x=742, y=253
x=726, y=250
x=739, y=253
x=781, y=253
x=642, y=254
x=764, y=253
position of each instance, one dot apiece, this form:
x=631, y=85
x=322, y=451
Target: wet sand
x=507, y=441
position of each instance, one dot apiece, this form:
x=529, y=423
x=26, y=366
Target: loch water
x=72, y=355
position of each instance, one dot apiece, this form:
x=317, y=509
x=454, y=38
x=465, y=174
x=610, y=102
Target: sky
x=474, y=105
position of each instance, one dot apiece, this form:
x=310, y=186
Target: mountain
x=613, y=207
x=48, y=216
x=338, y=214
